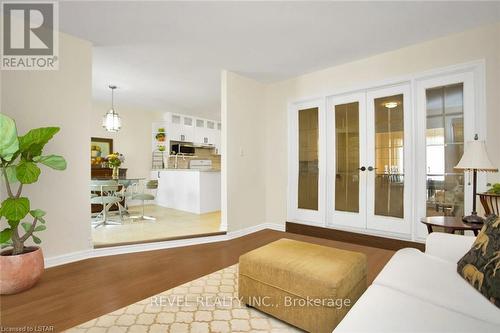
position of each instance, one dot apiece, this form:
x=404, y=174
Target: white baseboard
x=67, y=258
x=110, y=251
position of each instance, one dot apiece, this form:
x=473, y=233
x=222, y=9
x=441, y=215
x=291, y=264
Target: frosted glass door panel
x=389, y=196
x=389, y=156
x=308, y=159
x=347, y=157
x=444, y=147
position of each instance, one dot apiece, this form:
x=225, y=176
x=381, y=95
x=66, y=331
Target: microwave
x=181, y=147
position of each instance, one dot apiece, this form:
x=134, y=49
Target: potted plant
x=20, y=156
x=494, y=189
x=160, y=137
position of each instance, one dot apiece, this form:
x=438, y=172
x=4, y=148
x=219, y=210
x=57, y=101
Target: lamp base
x=474, y=218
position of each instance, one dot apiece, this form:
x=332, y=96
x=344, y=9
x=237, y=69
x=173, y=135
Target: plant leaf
x=6, y=244
x=40, y=228
x=55, y=162
x=9, y=143
x=27, y=172
x=15, y=209
x=37, y=213
x=13, y=224
x=31, y=144
x=5, y=235
x=26, y=226
x=11, y=174
x=36, y=239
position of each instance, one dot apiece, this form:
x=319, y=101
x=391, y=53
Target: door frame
x=306, y=216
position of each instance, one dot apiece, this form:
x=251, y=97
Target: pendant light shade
x=111, y=120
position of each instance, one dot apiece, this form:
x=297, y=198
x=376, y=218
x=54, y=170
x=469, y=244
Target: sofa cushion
x=381, y=309
x=449, y=247
x=436, y=281
x=481, y=265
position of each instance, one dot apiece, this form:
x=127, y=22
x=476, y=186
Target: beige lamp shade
x=475, y=157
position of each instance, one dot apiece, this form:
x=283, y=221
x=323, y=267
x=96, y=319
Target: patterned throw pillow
x=481, y=265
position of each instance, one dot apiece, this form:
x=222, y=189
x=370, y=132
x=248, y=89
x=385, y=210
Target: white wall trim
x=67, y=258
x=109, y=251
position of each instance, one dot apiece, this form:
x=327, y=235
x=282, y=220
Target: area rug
x=208, y=304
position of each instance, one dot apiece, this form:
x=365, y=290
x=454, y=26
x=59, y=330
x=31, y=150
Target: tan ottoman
x=309, y=286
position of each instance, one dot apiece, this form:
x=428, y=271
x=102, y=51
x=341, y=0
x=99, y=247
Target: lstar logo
x=30, y=36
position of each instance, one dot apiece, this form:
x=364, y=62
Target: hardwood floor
x=352, y=237
x=72, y=294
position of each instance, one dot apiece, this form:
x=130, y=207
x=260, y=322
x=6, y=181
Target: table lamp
x=475, y=158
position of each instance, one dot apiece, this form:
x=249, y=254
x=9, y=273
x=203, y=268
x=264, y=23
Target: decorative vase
x=115, y=174
x=20, y=272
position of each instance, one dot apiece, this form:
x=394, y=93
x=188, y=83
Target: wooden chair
x=491, y=203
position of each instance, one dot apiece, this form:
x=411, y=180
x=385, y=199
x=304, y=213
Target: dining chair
x=491, y=203
x=129, y=188
x=147, y=188
x=103, y=192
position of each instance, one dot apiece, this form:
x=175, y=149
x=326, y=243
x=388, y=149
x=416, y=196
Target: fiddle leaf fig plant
x=20, y=157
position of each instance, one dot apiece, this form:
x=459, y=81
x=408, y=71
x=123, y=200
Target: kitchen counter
x=191, y=190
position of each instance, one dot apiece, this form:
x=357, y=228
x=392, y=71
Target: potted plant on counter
x=20, y=156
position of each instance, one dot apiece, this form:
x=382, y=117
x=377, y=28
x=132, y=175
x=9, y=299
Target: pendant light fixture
x=111, y=120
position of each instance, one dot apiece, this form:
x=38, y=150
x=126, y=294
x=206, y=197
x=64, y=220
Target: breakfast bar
x=190, y=190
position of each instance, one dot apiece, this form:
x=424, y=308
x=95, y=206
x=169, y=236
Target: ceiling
x=167, y=56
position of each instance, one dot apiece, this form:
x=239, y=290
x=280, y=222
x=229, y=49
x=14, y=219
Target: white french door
x=369, y=156
x=388, y=145
x=346, y=176
x=306, y=172
x=446, y=119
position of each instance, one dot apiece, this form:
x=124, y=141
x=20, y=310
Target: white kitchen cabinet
x=210, y=124
x=180, y=128
x=207, y=132
x=185, y=128
x=199, y=131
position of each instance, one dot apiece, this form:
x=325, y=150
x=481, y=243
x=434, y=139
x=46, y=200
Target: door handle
x=362, y=168
x=370, y=168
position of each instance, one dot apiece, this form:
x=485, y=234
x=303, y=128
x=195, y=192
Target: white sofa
x=422, y=292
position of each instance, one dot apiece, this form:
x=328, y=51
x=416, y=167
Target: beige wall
x=483, y=43
x=243, y=151
x=58, y=98
x=133, y=140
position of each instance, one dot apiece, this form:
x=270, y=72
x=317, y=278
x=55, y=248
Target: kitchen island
x=190, y=190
